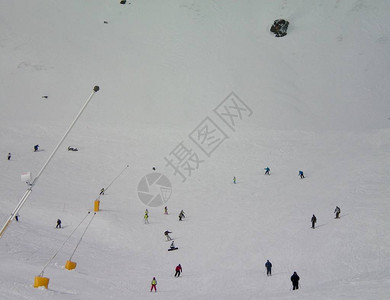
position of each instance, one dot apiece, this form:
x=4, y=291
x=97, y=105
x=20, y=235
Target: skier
x=146, y=212
x=178, y=271
x=17, y=217
x=154, y=284
x=337, y=212
x=313, y=221
x=166, y=210
x=267, y=171
x=146, y=217
x=154, y=168
x=295, y=281
x=268, y=265
x=58, y=223
x=234, y=179
x=166, y=233
x=9, y=156
x=102, y=191
x=300, y=173
x=36, y=148
x=181, y=215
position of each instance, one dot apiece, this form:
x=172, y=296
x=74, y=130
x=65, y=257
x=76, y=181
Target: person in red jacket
x=178, y=270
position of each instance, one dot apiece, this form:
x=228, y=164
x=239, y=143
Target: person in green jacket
x=154, y=284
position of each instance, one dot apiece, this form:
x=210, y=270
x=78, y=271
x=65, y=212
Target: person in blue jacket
x=301, y=174
x=268, y=265
x=267, y=171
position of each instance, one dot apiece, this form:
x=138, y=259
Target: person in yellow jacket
x=146, y=217
x=154, y=284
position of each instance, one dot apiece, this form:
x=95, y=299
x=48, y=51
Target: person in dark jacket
x=181, y=215
x=58, y=223
x=178, y=270
x=267, y=171
x=9, y=156
x=295, y=281
x=337, y=212
x=166, y=233
x=268, y=265
x=313, y=221
x=36, y=148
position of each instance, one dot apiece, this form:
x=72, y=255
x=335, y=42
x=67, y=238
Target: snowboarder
x=58, y=223
x=295, y=281
x=166, y=233
x=36, y=148
x=337, y=212
x=166, y=210
x=154, y=284
x=267, y=171
x=172, y=246
x=181, y=215
x=313, y=221
x=234, y=179
x=9, y=156
x=268, y=265
x=178, y=270
x=146, y=217
x=101, y=191
x=300, y=173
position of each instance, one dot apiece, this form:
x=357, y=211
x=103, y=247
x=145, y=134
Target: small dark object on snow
x=280, y=27
x=123, y=2
x=36, y=148
x=45, y=97
x=105, y=22
x=72, y=149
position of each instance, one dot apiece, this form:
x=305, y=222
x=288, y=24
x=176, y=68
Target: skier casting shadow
x=313, y=221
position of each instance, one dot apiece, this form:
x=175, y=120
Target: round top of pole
x=96, y=88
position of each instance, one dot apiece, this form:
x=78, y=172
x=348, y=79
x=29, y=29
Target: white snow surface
x=320, y=103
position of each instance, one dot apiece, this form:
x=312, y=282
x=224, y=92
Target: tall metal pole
x=29, y=190
x=115, y=178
